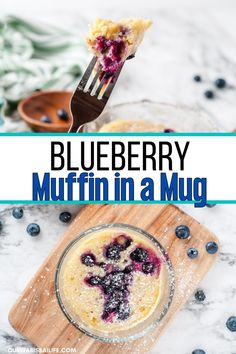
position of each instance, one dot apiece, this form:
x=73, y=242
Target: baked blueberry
x=169, y=130
x=114, y=300
x=197, y=78
x=62, y=114
x=114, y=281
x=209, y=94
x=148, y=267
x=139, y=255
x=102, y=265
x=200, y=295
x=182, y=232
x=45, y=119
x=220, y=83
x=123, y=241
x=106, y=284
x=123, y=311
x=88, y=259
x=113, y=252
x=198, y=351
x=17, y=213
x=211, y=247
x=117, y=280
x=106, y=314
x=192, y=252
x=65, y=217
x=94, y=280
x=128, y=278
x=129, y=268
x=33, y=229
x=231, y=323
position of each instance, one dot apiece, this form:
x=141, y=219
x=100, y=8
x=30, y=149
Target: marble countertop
x=188, y=40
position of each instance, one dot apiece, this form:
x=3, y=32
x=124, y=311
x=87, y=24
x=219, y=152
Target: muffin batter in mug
x=111, y=280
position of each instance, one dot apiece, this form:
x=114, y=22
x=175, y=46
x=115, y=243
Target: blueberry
x=117, y=280
x=102, y=265
x=94, y=280
x=192, y=253
x=220, y=83
x=123, y=311
x=211, y=247
x=139, y=255
x=231, y=323
x=114, y=300
x=106, y=284
x=88, y=259
x=197, y=78
x=65, y=217
x=114, y=281
x=62, y=114
x=210, y=205
x=113, y=252
x=0, y=225
x=123, y=241
x=198, y=351
x=209, y=94
x=129, y=269
x=182, y=232
x=17, y=213
x=169, y=130
x=200, y=295
x=106, y=314
x=148, y=267
x=45, y=119
x=128, y=278
x=33, y=229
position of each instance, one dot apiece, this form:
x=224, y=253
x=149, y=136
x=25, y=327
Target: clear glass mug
x=178, y=118
x=143, y=327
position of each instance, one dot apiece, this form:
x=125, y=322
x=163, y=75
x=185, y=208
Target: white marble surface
x=186, y=39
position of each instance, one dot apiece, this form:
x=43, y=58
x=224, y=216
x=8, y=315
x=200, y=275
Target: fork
x=91, y=95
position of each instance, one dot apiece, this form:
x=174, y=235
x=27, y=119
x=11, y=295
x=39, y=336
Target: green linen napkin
x=37, y=56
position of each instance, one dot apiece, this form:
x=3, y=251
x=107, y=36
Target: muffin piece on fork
x=113, y=42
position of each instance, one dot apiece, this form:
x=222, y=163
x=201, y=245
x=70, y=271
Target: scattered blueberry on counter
x=17, y=213
x=198, y=351
x=192, y=253
x=182, y=232
x=65, y=217
x=200, y=295
x=220, y=83
x=33, y=229
x=209, y=94
x=62, y=114
x=211, y=247
x=45, y=119
x=231, y=323
x=197, y=78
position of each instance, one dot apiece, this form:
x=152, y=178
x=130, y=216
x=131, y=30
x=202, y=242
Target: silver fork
x=91, y=96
